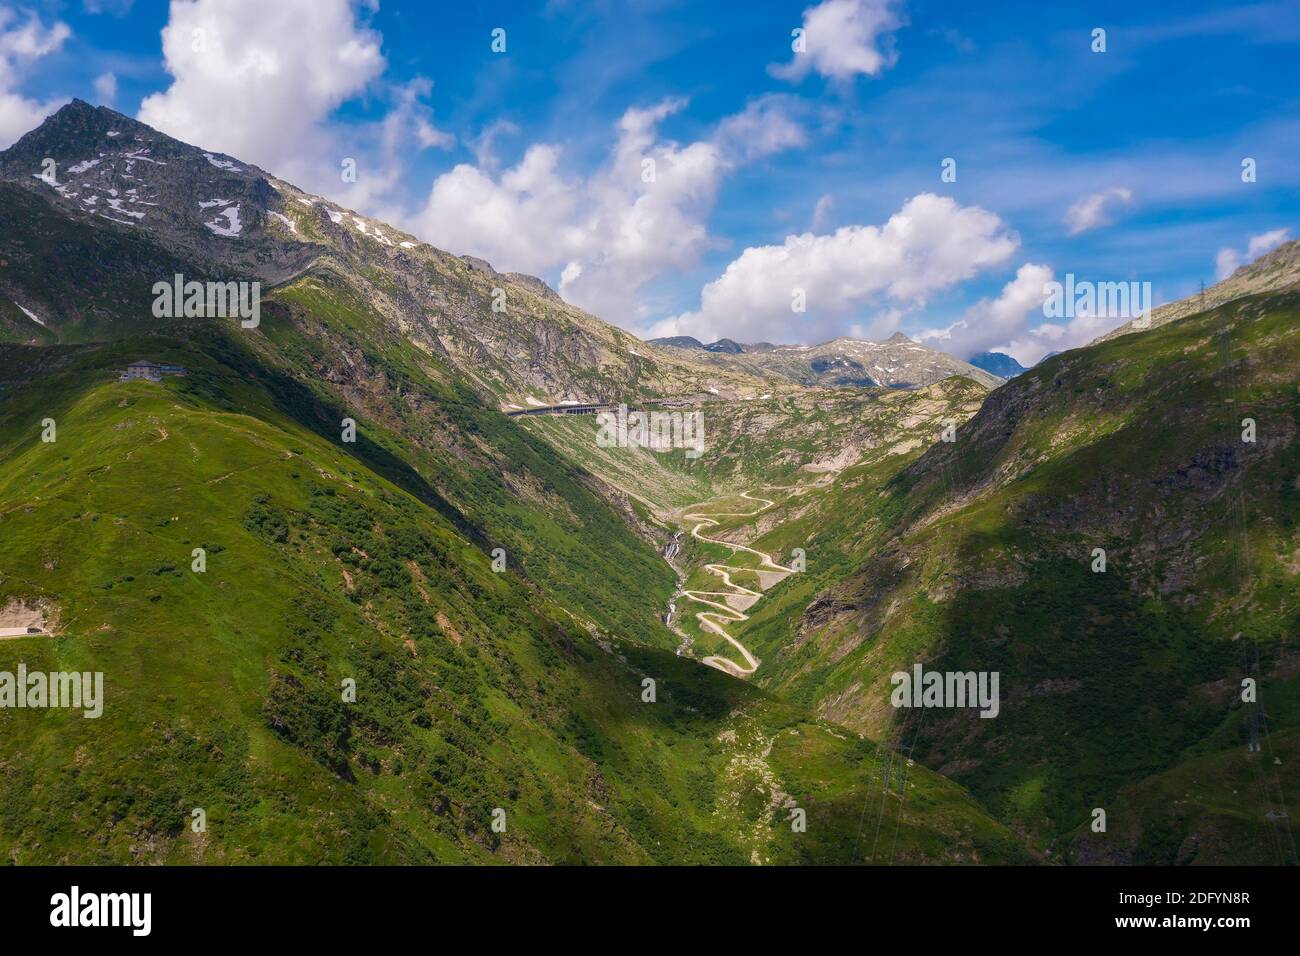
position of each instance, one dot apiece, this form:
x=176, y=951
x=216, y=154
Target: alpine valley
x=364, y=587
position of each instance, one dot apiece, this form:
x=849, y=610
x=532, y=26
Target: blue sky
x=1114, y=166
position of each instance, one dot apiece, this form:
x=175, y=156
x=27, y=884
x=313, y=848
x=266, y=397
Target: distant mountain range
x=898, y=362
x=238, y=220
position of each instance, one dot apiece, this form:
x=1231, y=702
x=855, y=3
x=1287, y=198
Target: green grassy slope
x=983, y=561
x=332, y=357
x=474, y=690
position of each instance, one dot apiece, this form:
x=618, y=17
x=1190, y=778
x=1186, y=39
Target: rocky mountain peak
x=97, y=164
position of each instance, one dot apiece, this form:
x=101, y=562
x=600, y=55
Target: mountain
x=998, y=363
x=342, y=605
x=897, y=362
x=509, y=335
x=355, y=614
x=1274, y=271
x=725, y=345
x=678, y=342
x=979, y=555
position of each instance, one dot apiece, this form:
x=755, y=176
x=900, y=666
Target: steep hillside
x=978, y=554
x=983, y=559
x=332, y=351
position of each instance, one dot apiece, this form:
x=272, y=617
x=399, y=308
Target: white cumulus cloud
x=1030, y=347
x=844, y=38
x=639, y=215
x=990, y=322
x=106, y=88
x=930, y=244
x=1012, y=323
x=257, y=80
x=767, y=125
x=517, y=221
x=262, y=81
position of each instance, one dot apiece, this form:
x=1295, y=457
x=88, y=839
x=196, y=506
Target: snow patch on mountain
x=116, y=206
x=231, y=227
x=223, y=163
x=292, y=226
x=30, y=314
x=140, y=155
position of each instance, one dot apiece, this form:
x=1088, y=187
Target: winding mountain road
x=738, y=599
